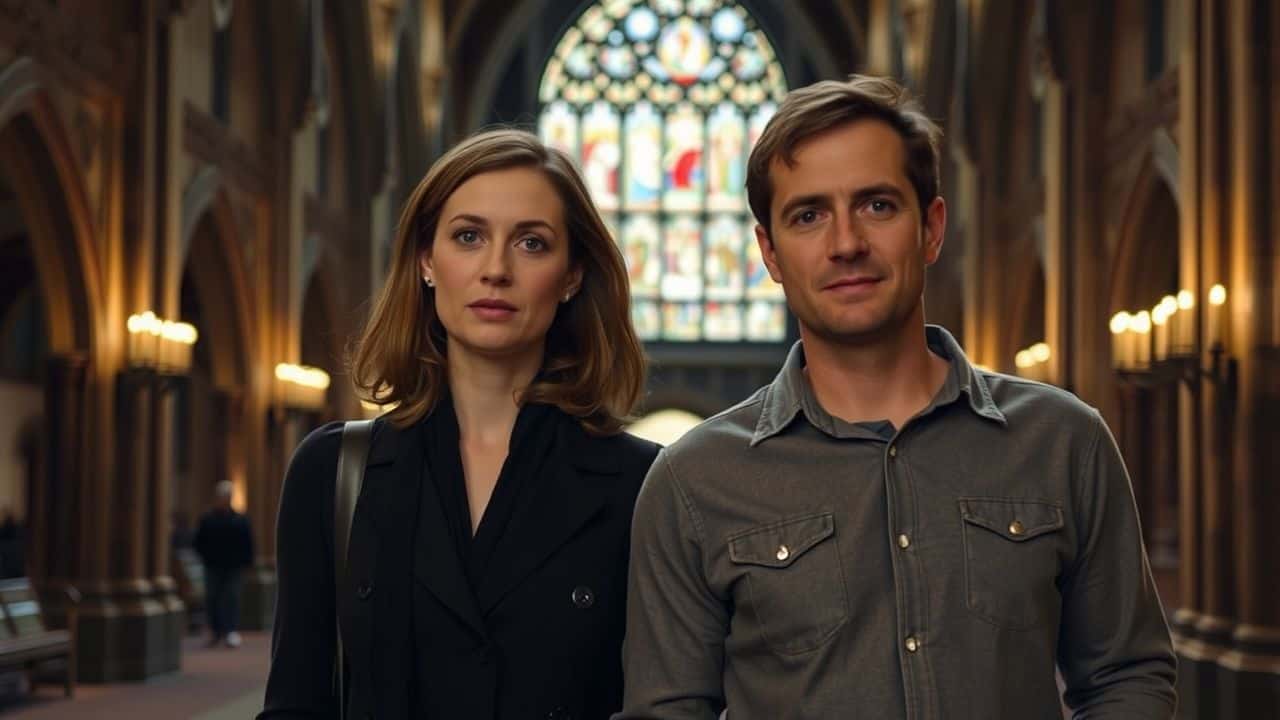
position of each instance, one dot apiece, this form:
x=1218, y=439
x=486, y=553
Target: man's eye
x=804, y=217
x=882, y=207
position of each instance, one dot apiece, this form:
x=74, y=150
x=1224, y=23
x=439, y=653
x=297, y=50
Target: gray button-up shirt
x=791, y=565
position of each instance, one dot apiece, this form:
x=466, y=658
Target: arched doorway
x=1147, y=269
x=50, y=310
x=209, y=416
x=23, y=347
x=322, y=345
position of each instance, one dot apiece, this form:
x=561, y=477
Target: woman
x=488, y=551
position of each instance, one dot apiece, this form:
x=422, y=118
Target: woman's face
x=500, y=263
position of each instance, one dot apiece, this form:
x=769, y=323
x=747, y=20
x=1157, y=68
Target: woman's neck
x=485, y=391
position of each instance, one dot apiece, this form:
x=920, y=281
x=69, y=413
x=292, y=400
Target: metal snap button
x=364, y=591
x=783, y=552
x=583, y=597
x=1016, y=528
x=912, y=644
x=904, y=542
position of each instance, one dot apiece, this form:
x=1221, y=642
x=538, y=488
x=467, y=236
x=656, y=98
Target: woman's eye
x=467, y=237
x=532, y=243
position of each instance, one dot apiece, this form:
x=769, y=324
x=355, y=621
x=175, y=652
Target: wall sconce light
x=1160, y=346
x=160, y=345
x=302, y=387
x=1033, y=362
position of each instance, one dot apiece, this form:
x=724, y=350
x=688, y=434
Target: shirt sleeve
x=673, y=654
x=303, y=641
x=1115, y=652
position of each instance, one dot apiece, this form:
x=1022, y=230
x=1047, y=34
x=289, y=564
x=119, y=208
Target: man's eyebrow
x=879, y=189
x=819, y=199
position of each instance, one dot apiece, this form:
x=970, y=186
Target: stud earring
x=567, y=296
x=427, y=279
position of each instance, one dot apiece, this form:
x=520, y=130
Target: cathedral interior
x=197, y=201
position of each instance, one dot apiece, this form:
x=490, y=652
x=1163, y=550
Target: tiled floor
x=214, y=684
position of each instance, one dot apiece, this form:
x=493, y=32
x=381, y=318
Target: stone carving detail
x=39, y=29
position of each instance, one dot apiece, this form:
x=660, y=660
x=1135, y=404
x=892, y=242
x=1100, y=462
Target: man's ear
x=768, y=253
x=935, y=230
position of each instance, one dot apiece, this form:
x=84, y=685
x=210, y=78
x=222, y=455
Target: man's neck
x=891, y=378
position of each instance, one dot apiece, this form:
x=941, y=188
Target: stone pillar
x=257, y=607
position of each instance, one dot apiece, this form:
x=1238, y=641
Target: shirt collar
x=790, y=392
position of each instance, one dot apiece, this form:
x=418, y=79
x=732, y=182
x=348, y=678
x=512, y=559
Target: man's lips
x=852, y=282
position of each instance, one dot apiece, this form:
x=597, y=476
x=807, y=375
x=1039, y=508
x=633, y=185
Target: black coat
x=541, y=637
x=224, y=540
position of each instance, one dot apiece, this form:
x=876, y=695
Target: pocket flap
x=1016, y=520
x=778, y=544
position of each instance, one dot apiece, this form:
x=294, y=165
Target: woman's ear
x=573, y=284
x=424, y=266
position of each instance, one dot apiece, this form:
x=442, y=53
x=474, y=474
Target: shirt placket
x=909, y=588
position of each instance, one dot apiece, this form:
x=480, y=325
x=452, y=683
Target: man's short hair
x=824, y=105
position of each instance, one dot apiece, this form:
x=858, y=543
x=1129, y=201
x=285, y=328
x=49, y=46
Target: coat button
x=583, y=597
x=364, y=591
x=559, y=714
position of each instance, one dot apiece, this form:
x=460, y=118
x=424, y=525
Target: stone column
x=258, y=602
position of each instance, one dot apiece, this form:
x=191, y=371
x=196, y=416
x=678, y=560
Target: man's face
x=849, y=243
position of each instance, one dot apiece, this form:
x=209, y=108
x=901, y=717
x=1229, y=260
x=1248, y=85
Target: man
x=885, y=531
x=224, y=543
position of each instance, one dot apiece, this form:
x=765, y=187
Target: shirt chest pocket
x=1012, y=558
x=794, y=581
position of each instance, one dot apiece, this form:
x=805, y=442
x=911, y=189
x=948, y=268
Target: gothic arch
x=1147, y=249
x=37, y=154
x=211, y=253
x=493, y=52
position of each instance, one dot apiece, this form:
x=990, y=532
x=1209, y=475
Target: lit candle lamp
x=1215, y=318
x=1023, y=362
x=1141, y=329
x=1119, y=341
x=1160, y=332
x=1184, y=329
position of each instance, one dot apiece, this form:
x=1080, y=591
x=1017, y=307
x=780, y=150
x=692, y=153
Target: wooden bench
x=188, y=573
x=26, y=642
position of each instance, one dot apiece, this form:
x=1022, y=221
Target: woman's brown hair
x=594, y=365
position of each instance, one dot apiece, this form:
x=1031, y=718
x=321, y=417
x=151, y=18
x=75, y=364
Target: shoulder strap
x=352, y=456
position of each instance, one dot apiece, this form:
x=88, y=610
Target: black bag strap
x=352, y=456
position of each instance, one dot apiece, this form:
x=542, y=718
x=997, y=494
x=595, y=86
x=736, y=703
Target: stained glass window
x=661, y=101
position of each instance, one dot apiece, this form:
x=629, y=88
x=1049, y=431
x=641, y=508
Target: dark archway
x=46, y=200
x=1146, y=269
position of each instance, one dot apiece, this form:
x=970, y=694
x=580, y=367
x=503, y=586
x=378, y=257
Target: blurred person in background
x=224, y=542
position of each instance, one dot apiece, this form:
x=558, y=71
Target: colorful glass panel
x=601, y=154
x=559, y=128
x=682, y=172
x=682, y=259
x=723, y=259
x=644, y=155
x=723, y=321
x=682, y=321
x=726, y=159
x=641, y=248
x=661, y=101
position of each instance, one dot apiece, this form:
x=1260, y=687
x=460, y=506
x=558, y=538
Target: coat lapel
x=570, y=494
x=435, y=558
